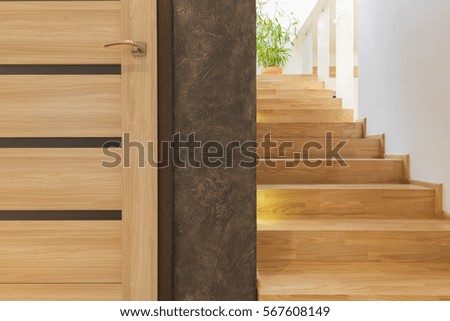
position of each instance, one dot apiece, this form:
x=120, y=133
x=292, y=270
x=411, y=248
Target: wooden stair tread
x=351, y=267
x=353, y=240
x=357, y=281
x=353, y=148
x=309, y=111
x=299, y=104
x=356, y=160
x=288, y=94
x=287, y=77
x=340, y=201
x=281, y=130
x=302, y=140
x=341, y=186
x=357, y=171
x=305, y=115
x=273, y=91
x=291, y=102
x=291, y=84
x=360, y=225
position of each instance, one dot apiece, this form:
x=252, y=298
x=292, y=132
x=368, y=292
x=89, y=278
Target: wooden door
x=70, y=228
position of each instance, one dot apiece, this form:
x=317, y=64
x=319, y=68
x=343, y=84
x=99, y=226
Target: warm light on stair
x=342, y=233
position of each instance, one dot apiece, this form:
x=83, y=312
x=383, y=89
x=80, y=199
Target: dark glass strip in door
x=95, y=142
x=61, y=215
x=60, y=69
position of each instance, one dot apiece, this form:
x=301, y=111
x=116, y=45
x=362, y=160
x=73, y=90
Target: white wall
x=403, y=81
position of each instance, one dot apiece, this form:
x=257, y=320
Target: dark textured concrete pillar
x=215, y=97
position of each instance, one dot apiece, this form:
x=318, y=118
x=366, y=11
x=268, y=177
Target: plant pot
x=272, y=71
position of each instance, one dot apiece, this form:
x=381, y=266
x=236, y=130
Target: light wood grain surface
x=357, y=281
x=310, y=130
x=286, y=77
x=60, y=292
x=353, y=148
x=58, y=179
x=362, y=232
x=60, y=252
x=358, y=171
x=303, y=102
x=59, y=32
x=291, y=85
x=333, y=202
x=60, y=106
x=305, y=115
x=140, y=200
x=296, y=93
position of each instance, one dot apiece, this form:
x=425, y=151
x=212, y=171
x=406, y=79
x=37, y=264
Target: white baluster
x=323, y=44
x=345, y=52
x=307, y=54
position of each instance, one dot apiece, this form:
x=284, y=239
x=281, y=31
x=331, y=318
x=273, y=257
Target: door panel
x=58, y=179
x=60, y=252
x=59, y=32
x=70, y=228
x=60, y=292
x=60, y=106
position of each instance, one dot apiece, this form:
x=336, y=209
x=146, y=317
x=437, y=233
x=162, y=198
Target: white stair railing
x=329, y=36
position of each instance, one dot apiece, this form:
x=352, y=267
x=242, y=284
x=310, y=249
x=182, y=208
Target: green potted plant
x=273, y=38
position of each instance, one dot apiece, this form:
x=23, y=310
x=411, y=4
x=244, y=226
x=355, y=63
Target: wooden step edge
x=295, y=267
x=311, y=110
x=291, y=84
x=352, y=284
x=353, y=144
x=325, y=159
x=299, y=107
x=439, y=190
x=281, y=90
x=310, y=115
x=299, y=124
x=287, y=76
x=302, y=99
x=353, y=225
x=354, y=127
x=382, y=138
x=323, y=140
x=293, y=102
x=363, y=122
x=406, y=159
x=267, y=296
x=349, y=187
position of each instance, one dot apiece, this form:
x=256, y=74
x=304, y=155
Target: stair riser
x=281, y=131
x=364, y=148
x=291, y=85
x=262, y=78
x=336, y=204
x=300, y=297
x=298, y=104
x=264, y=94
x=353, y=246
x=307, y=116
x=262, y=106
x=357, y=172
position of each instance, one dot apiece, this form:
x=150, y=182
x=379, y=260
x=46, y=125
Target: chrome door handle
x=139, y=47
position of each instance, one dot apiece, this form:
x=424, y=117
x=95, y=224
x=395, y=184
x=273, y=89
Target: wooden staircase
x=364, y=231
